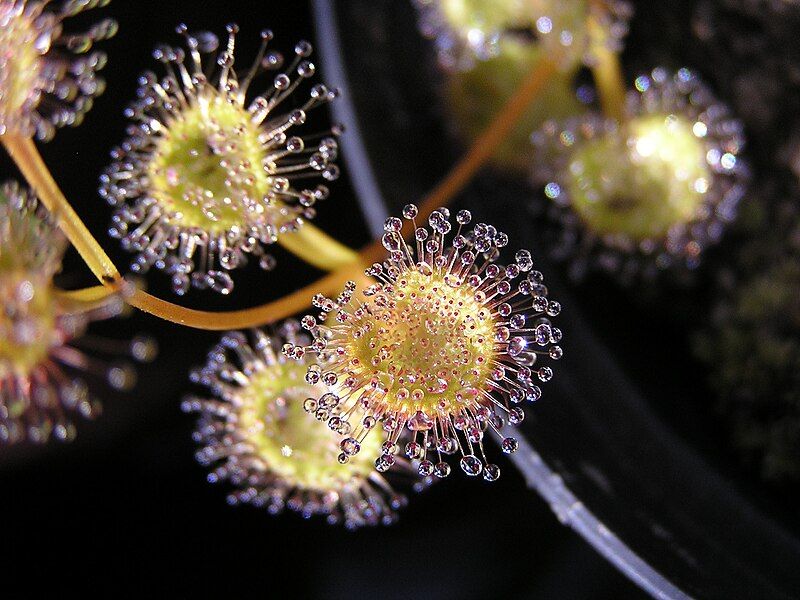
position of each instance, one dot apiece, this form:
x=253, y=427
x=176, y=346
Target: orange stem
x=452, y=184
x=29, y=161
x=27, y=157
x=488, y=141
x=250, y=317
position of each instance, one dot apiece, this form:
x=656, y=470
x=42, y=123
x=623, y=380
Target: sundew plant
x=404, y=364
x=439, y=338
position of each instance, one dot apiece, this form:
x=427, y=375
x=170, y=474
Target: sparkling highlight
x=42, y=339
x=48, y=78
x=466, y=31
x=650, y=193
x=445, y=346
x=207, y=176
x=256, y=435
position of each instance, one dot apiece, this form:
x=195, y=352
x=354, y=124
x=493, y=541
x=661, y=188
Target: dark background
x=126, y=510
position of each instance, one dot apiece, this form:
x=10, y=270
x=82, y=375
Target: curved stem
x=606, y=70
x=491, y=137
x=452, y=184
x=24, y=152
x=251, y=317
x=29, y=161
